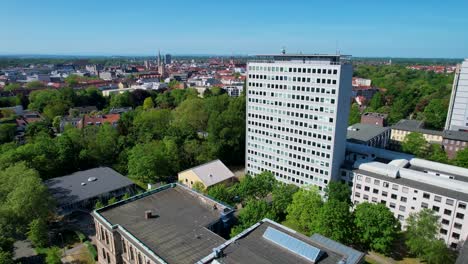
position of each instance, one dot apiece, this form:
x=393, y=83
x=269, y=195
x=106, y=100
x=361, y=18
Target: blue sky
x=412, y=28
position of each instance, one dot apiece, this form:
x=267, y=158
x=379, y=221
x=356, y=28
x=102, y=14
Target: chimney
x=148, y=214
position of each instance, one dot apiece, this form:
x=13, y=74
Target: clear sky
x=410, y=28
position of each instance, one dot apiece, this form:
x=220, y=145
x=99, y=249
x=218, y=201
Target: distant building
x=69, y=121
x=377, y=119
x=82, y=110
x=81, y=190
x=209, y=174
x=107, y=75
x=234, y=90
x=405, y=126
x=361, y=82
x=270, y=242
x=454, y=141
x=168, y=59
x=406, y=185
x=170, y=224
x=98, y=120
x=457, y=117
x=369, y=135
x=120, y=110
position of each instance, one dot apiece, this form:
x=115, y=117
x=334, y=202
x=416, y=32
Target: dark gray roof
x=418, y=185
x=456, y=135
x=415, y=126
x=352, y=256
x=364, y=132
x=68, y=189
x=253, y=247
x=178, y=233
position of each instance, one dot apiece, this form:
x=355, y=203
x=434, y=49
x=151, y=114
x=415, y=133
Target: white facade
x=406, y=185
x=297, y=116
x=457, y=117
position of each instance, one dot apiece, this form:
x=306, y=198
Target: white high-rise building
x=297, y=116
x=457, y=117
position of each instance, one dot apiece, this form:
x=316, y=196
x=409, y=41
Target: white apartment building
x=406, y=185
x=457, y=117
x=297, y=116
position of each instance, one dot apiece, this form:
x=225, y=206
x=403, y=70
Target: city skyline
x=396, y=29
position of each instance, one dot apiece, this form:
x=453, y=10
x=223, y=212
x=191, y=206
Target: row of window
x=292, y=69
x=290, y=79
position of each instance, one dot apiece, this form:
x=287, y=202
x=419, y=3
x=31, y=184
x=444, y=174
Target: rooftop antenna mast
x=283, y=50
x=337, y=48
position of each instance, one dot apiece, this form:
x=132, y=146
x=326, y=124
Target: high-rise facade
x=297, y=116
x=168, y=59
x=457, y=117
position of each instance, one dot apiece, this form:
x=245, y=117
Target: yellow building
x=208, y=174
x=404, y=127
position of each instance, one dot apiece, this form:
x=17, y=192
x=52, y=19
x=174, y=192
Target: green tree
x=98, y=205
x=6, y=250
x=53, y=256
x=461, y=159
x=7, y=132
x=354, y=115
x=221, y=193
x=12, y=87
x=422, y=228
x=35, y=85
x=191, y=114
x=254, y=211
x=112, y=200
x=437, y=154
x=155, y=161
x=338, y=191
x=415, y=143
x=56, y=109
x=37, y=233
x=198, y=186
x=148, y=103
x=257, y=187
x=6, y=257
x=377, y=101
x=23, y=198
x=304, y=210
x=152, y=124
x=377, y=228
x=335, y=221
x=282, y=196
x=435, y=113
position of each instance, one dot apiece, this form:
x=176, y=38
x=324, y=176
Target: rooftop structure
x=304, y=58
x=377, y=119
x=171, y=224
x=270, y=242
x=208, y=174
x=83, y=188
x=372, y=135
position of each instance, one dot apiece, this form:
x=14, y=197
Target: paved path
x=379, y=259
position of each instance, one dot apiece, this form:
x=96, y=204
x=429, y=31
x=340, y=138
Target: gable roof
x=212, y=172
